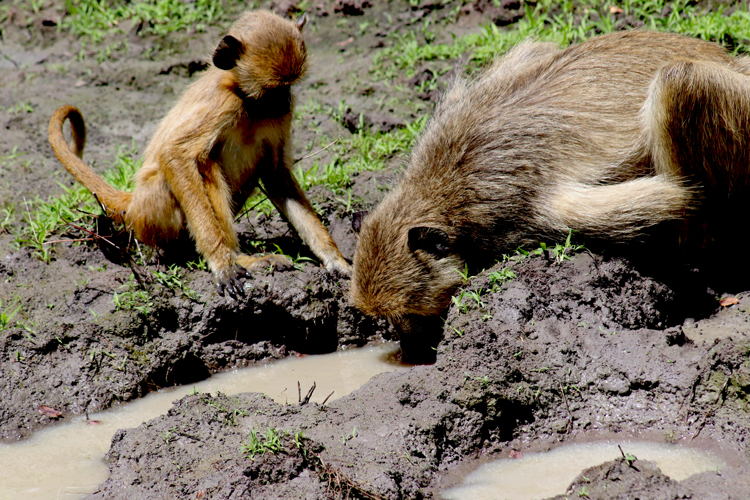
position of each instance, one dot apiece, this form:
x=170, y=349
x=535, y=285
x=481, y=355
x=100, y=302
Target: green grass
x=172, y=279
x=95, y=20
x=258, y=444
x=362, y=151
x=58, y=215
x=563, y=251
x=131, y=298
x=564, y=23
x=7, y=314
x=7, y=217
x=497, y=278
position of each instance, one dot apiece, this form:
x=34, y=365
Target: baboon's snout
x=420, y=336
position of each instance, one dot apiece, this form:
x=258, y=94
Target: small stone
x=617, y=385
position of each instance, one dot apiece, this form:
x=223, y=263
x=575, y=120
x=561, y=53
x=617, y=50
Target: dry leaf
x=515, y=454
x=93, y=422
x=50, y=412
x=728, y=301
x=200, y=494
x=613, y=9
x=345, y=42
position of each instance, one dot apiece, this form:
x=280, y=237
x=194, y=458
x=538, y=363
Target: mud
x=629, y=346
x=66, y=460
x=517, y=478
x=526, y=370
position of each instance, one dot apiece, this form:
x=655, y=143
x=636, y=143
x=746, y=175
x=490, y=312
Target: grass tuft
x=258, y=444
x=58, y=214
x=94, y=20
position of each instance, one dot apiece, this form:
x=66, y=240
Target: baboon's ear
x=302, y=21
x=227, y=53
x=429, y=239
x=357, y=218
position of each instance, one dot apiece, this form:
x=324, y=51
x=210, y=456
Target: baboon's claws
x=229, y=281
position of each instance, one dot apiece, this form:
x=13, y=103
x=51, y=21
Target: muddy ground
x=597, y=346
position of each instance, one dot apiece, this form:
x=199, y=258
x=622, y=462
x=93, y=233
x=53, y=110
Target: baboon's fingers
x=341, y=267
x=229, y=281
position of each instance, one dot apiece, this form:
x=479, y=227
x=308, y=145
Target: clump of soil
x=642, y=479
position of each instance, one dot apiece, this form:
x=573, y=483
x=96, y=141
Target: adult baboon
x=606, y=138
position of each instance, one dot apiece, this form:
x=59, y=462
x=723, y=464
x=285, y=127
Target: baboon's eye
x=357, y=218
x=227, y=53
x=431, y=240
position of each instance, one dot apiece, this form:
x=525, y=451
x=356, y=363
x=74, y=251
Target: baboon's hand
x=229, y=280
x=339, y=266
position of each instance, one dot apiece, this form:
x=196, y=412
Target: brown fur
x=606, y=138
x=229, y=130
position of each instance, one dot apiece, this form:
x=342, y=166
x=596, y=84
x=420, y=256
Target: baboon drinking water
x=228, y=131
x=607, y=138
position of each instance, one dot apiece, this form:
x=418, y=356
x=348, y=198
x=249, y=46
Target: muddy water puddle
x=66, y=461
x=542, y=475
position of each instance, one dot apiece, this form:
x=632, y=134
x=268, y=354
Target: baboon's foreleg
x=205, y=199
x=287, y=196
x=220, y=197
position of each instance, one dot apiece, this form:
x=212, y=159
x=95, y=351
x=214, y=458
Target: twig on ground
x=567, y=406
x=326, y=399
x=315, y=153
x=309, y=395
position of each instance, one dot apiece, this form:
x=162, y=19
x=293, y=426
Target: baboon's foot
x=257, y=263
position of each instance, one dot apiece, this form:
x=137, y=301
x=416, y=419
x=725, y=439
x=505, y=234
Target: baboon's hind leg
x=697, y=118
x=697, y=122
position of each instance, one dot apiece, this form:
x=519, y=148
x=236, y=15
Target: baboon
x=229, y=130
x=607, y=138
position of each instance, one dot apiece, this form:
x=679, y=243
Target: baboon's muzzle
x=420, y=336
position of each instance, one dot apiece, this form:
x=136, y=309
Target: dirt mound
x=623, y=479
x=535, y=361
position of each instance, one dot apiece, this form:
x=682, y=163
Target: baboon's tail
x=114, y=201
x=619, y=211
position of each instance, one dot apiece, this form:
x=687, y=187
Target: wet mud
x=599, y=344
x=528, y=368
x=66, y=460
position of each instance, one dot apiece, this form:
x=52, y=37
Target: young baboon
x=229, y=130
x=606, y=138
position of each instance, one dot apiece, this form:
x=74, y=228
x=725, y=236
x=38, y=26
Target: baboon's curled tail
x=114, y=201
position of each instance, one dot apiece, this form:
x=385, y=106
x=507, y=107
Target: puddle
x=542, y=475
x=65, y=461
